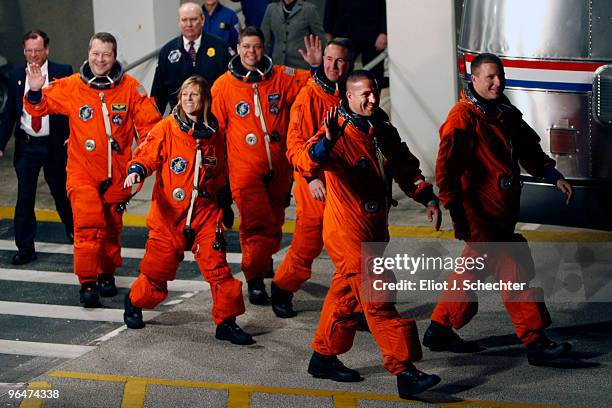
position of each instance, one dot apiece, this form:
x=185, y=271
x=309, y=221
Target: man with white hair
x=192, y=53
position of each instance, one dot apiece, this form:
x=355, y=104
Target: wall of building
x=422, y=72
x=69, y=24
x=142, y=26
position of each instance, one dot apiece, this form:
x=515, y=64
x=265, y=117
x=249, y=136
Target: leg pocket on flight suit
x=397, y=336
x=344, y=327
x=87, y=208
x=255, y=210
x=161, y=260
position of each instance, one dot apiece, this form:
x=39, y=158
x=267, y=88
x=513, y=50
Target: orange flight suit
x=307, y=114
x=171, y=152
x=356, y=211
x=479, y=179
x=97, y=224
x=261, y=203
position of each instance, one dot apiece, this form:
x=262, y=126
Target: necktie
x=36, y=123
x=192, y=51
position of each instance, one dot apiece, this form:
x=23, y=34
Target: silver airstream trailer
x=558, y=61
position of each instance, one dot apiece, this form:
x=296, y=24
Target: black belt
x=32, y=139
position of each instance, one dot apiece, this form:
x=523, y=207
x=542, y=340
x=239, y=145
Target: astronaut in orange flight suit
x=184, y=212
x=360, y=156
x=251, y=102
x=482, y=142
x=106, y=109
x=322, y=92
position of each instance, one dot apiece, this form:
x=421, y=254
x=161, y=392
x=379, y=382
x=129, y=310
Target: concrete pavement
x=175, y=361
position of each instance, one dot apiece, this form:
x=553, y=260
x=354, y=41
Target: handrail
x=379, y=58
x=143, y=59
x=385, y=101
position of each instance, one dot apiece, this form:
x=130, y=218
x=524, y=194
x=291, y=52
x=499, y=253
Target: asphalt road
x=176, y=361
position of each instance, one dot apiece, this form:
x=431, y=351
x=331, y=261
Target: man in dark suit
x=39, y=143
x=191, y=53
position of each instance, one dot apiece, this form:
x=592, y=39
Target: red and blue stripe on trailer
x=546, y=75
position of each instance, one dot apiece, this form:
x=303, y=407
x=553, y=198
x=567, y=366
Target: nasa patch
x=85, y=113
x=117, y=119
x=242, y=109
x=275, y=97
x=174, y=56
x=274, y=109
x=178, y=165
x=289, y=71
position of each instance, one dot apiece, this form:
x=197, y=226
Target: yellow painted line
x=238, y=399
x=134, y=220
x=41, y=215
x=134, y=394
x=240, y=394
x=567, y=236
x=35, y=402
x=343, y=401
x=140, y=220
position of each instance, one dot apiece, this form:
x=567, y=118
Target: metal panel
x=601, y=29
x=546, y=110
x=555, y=29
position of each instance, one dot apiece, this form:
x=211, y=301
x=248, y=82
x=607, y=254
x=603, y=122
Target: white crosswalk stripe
x=67, y=312
x=16, y=313
x=132, y=253
x=54, y=350
x=65, y=278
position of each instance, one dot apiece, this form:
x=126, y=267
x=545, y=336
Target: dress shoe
x=257, y=292
x=132, y=315
x=442, y=338
x=413, y=381
x=106, y=285
x=281, y=302
x=89, y=295
x=22, y=258
x=331, y=367
x=231, y=332
x=543, y=350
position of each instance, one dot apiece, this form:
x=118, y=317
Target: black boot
x=413, y=381
x=22, y=258
x=132, y=315
x=257, y=292
x=106, y=285
x=89, y=296
x=231, y=332
x=442, y=338
x=281, y=302
x=543, y=350
x=330, y=367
